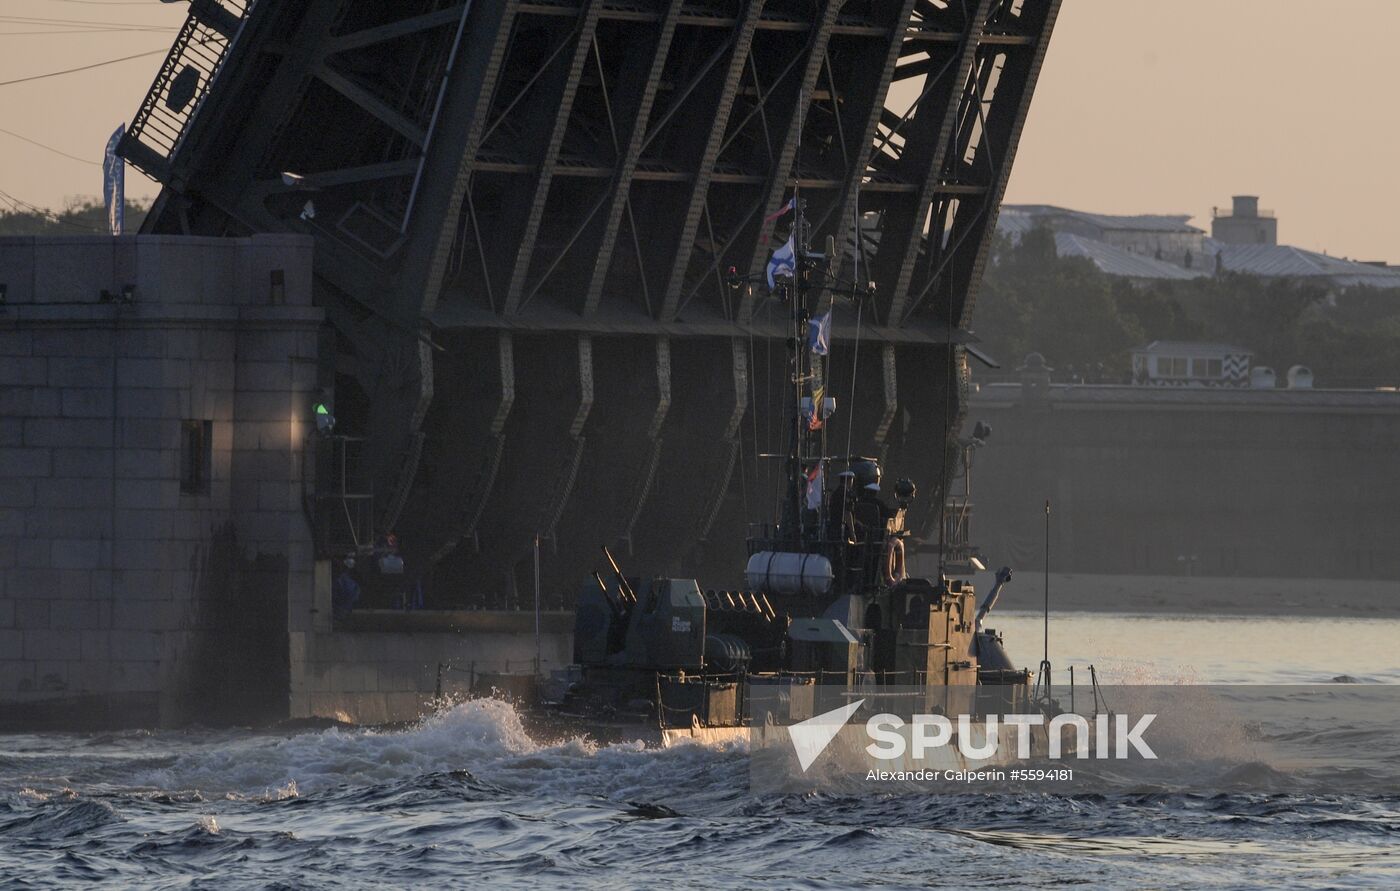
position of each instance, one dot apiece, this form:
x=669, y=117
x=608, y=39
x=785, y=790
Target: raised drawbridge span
x=525, y=216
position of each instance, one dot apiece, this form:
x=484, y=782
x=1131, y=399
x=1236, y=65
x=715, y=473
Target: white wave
x=483, y=736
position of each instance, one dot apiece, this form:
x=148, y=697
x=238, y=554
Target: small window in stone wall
x=277, y=288
x=196, y=456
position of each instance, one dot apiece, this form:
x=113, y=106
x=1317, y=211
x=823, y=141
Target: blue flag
x=783, y=262
x=114, y=183
x=819, y=334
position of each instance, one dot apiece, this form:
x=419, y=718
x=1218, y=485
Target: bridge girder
x=498, y=178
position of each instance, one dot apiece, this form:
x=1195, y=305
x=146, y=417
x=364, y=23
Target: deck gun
x=1003, y=576
x=986, y=643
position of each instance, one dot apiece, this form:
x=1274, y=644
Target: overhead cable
x=21, y=80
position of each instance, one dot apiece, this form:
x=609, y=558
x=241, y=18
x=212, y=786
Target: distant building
x=1164, y=237
x=1285, y=261
x=1245, y=223
x=1170, y=363
x=1123, y=264
x=1158, y=247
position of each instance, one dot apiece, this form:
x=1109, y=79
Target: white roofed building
x=1161, y=237
x=1174, y=363
x=1166, y=247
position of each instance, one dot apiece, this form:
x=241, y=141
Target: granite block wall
x=146, y=577
x=1156, y=481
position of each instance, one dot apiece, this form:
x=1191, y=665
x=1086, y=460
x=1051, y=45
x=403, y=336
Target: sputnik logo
x=811, y=737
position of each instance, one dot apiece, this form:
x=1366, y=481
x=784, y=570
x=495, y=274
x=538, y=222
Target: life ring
x=893, y=563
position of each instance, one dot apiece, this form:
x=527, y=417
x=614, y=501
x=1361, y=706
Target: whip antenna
x=1045, y=660
x=860, y=308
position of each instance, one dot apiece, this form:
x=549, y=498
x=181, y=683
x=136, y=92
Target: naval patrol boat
x=828, y=613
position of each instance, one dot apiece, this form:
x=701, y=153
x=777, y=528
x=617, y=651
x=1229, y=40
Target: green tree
x=1063, y=308
x=80, y=217
x=1156, y=311
x=1073, y=313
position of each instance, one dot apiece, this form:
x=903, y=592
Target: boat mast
x=791, y=521
x=801, y=435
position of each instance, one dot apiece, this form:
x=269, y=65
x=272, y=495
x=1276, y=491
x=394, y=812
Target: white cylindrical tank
x=778, y=572
x=1261, y=377
x=1300, y=377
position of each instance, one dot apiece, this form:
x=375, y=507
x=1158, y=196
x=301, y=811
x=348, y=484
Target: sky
x=1143, y=106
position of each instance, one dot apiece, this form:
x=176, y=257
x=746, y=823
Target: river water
x=468, y=798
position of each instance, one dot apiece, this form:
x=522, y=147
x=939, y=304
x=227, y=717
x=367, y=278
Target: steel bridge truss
x=489, y=179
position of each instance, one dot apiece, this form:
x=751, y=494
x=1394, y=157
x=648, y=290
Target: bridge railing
x=184, y=79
